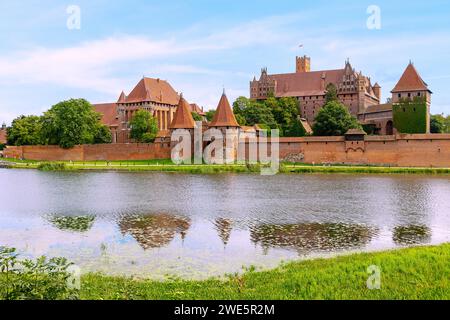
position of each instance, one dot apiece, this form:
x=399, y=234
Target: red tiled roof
x=410, y=81
x=224, y=116
x=379, y=108
x=305, y=83
x=182, y=118
x=2, y=136
x=156, y=90
x=108, y=112
x=197, y=109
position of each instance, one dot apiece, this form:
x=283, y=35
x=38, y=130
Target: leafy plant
x=40, y=279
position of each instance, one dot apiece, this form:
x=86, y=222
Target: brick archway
x=389, y=128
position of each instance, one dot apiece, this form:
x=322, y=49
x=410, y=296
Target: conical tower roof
x=224, y=116
x=410, y=81
x=122, y=97
x=182, y=118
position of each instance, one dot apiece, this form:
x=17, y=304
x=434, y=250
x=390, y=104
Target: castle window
x=409, y=95
x=418, y=94
x=399, y=95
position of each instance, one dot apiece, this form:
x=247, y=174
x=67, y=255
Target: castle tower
x=410, y=86
x=361, y=88
x=182, y=119
x=303, y=64
x=377, y=90
x=225, y=121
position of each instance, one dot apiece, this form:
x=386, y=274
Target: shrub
x=43, y=279
x=52, y=166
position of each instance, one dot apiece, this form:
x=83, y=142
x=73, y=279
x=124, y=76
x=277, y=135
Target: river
x=197, y=226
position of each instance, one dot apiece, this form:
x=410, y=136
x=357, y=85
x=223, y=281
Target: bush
x=52, y=166
x=28, y=279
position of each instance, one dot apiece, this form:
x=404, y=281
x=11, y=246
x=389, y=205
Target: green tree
x=437, y=123
x=102, y=135
x=447, y=124
x=144, y=127
x=286, y=113
x=72, y=122
x=240, y=119
x=196, y=116
x=254, y=112
x=331, y=93
x=334, y=119
x=25, y=130
x=210, y=114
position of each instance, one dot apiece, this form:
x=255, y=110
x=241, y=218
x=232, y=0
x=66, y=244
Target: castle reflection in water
x=159, y=230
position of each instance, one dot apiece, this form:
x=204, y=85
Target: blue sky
x=202, y=46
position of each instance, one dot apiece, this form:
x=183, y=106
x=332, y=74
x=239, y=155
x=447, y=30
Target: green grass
x=413, y=273
x=166, y=165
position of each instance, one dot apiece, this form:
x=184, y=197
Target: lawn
x=166, y=165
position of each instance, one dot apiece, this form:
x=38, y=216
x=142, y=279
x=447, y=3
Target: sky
x=201, y=47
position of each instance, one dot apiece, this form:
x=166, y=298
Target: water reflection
x=312, y=236
x=154, y=231
x=72, y=223
x=153, y=224
x=224, y=228
x=411, y=234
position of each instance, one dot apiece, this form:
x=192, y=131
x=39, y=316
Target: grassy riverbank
x=414, y=273
x=166, y=165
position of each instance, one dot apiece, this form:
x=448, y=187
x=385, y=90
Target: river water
x=197, y=226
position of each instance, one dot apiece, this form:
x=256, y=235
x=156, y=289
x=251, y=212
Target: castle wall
x=408, y=150
x=412, y=150
x=105, y=152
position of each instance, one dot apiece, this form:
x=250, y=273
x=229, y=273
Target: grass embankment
x=166, y=165
x=413, y=273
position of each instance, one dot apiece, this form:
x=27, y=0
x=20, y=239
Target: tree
x=72, y=122
x=286, y=113
x=437, y=123
x=25, y=130
x=331, y=93
x=144, y=127
x=103, y=135
x=240, y=119
x=447, y=124
x=254, y=113
x=296, y=129
x=334, y=119
x=210, y=114
x=196, y=116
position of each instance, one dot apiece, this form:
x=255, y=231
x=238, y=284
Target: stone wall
x=414, y=150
